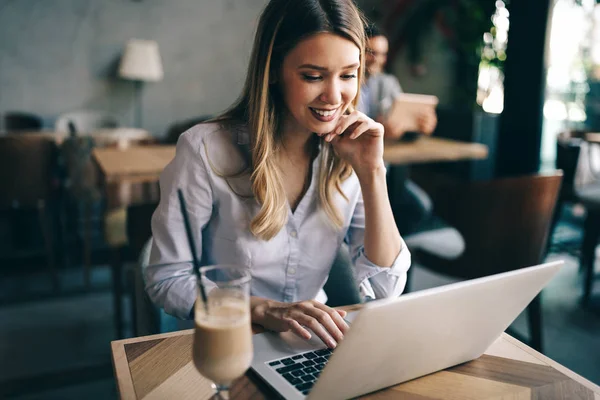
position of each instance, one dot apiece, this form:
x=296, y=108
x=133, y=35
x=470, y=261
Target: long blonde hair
x=282, y=25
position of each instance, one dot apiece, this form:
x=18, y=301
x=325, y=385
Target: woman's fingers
x=328, y=324
x=299, y=330
x=325, y=319
x=314, y=325
x=354, y=125
x=336, y=316
x=360, y=129
x=275, y=320
x=345, y=121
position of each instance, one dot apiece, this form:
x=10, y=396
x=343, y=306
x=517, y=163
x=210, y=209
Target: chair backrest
x=20, y=121
x=27, y=166
x=85, y=121
x=81, y=172
x=568, y=147
x=147, y=315
x=341, y=288
x=138, y=225
x=504, y=222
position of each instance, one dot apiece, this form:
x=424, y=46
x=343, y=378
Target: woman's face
x=319, y=80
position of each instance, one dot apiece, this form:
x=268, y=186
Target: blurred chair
x=85, y=121
x=568, y=150
x=568, y=147
x=589, y=195
x=504, y=223
x=81, y=192
x=144, y=315
x=129, y=208
x=341, y=288
x=20, y=121
x=27, y=182
x=147, y=319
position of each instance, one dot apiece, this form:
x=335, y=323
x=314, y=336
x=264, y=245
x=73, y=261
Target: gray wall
x=62, y=55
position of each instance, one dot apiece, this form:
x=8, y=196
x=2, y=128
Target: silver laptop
x=394, y=340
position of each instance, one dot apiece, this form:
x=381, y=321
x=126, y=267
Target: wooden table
x=143, y=163
x=160, y=367
x=147, y=162
x=129, y=176
x=432, y=149
x=592, y=137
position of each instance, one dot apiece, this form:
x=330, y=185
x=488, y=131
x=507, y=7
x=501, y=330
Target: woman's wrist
x=370, y=173
x=258, y=308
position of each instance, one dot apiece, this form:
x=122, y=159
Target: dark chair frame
x=505, y=224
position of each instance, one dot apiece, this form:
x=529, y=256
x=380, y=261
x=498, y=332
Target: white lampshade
x=141, y=61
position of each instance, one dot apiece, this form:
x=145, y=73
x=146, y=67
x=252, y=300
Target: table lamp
x=141, y=63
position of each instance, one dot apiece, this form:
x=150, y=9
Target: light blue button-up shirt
x=292, y=266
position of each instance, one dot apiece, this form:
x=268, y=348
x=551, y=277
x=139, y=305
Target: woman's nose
x=332, y=93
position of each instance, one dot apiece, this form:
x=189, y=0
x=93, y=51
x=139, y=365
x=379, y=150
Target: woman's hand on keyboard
x=328, y=324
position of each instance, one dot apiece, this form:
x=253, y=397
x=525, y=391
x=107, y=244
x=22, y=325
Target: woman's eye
x=349, y=76
x=312, y=78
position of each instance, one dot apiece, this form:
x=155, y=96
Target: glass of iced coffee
x=222, y=350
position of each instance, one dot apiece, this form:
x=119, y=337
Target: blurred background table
x=592, y=137
x=429, y=149
x=129, y=176
x=133, y=163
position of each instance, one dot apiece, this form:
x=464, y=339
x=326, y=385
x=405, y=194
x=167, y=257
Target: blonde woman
x=284, y=177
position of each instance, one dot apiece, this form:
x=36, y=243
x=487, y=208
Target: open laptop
x=394, y=340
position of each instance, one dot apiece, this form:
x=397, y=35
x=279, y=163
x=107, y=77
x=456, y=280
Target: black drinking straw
x=188, y=230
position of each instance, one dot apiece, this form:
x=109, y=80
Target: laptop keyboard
x=302, y=370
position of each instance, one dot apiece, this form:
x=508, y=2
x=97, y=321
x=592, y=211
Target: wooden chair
x=504, y=223
x=27, y=165
x=589, y=196
x=144, y=315
x=567, y=155
x=568, y=149
x=127, y=227
x=81, y=194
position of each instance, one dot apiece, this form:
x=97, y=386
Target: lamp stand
x=138, y=103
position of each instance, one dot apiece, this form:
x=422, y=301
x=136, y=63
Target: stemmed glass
x=222, y=350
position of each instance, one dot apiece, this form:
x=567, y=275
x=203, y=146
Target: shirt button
x=293, y=234
x=292, y=271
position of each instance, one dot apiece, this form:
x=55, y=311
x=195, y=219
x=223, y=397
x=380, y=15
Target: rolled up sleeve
x=170, y=280
x=375, y=281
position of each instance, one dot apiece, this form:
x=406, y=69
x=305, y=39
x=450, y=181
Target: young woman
x=280, y=180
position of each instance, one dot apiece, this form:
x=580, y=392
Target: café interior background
x=60, y=57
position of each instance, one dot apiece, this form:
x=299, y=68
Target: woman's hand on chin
x=358, y=140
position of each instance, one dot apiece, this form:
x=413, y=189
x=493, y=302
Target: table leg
x=117, y=278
